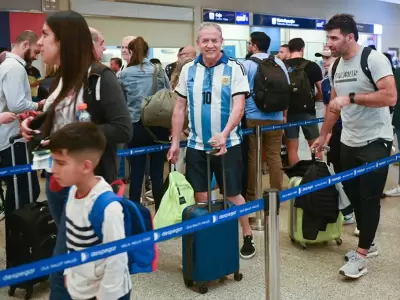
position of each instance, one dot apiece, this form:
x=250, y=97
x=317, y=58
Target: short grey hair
x=95, y=34
x=205, y=25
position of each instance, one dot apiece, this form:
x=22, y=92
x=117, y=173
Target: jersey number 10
x=206, y=97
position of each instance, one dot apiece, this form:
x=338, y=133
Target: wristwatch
x=352, y=98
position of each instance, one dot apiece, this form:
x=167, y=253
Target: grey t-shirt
x=361, y=124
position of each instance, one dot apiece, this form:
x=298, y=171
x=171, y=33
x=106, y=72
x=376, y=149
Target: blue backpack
x=137, y=220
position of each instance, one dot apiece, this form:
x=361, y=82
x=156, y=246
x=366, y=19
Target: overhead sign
x=366, y=28
x=287, y=22
x=319, y=24
x=227, y=17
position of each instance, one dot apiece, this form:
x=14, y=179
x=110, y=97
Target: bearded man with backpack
x=269, y=98
x=305, y=77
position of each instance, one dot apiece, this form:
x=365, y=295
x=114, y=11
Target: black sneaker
x=248, y=250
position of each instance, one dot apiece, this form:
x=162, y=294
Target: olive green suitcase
x=333, y=231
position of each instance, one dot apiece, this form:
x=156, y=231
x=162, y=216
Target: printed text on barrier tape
x=162, y=147
x=334, y=179
x=58, y=263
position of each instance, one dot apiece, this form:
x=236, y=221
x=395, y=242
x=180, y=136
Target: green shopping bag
x=177, y=197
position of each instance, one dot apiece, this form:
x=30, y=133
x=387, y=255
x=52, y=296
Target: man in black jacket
x=169, y=69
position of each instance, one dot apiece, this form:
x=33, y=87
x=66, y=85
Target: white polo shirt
x=15, y=95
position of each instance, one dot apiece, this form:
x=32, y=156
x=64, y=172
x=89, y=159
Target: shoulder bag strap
x=154, y=88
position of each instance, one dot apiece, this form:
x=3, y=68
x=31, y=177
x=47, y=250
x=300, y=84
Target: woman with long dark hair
x=67, y=43
x=137, y=81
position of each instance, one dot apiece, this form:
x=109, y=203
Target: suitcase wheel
x=303, y=246
x=203, y=289
x=238, y=276
x=11, y=291
x=189, y=283
x=339, y=242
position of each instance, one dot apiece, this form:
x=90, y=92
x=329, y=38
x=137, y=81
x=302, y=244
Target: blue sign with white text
x=242, y=18
x=319, y=24
x=227, y=17
x=287, y=22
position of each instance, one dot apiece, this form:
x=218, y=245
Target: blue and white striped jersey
x=210, y=92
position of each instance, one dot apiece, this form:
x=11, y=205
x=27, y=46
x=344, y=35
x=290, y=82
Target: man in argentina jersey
x=213, y=87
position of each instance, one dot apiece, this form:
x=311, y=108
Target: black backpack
x=302, y=98
x=364, y=66
x=271, y=88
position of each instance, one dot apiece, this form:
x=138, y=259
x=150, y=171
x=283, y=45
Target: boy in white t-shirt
x=76, y=151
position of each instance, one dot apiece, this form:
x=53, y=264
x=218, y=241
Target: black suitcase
x=30, y=232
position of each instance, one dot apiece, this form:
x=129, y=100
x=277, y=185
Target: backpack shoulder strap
x=96, y=215
x=334, y=67
x=364, y=65
x=256, y=60
x=304, y=64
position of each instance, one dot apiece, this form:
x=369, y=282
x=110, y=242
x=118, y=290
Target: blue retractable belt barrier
x=161, y=147
x=337, y=178
x=57, y=263
x=44, y=267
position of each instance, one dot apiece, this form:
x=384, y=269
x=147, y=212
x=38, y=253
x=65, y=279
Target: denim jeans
x=57, y=202
x=142, y=138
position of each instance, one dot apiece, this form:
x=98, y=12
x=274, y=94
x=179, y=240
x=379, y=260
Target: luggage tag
x=182, y=199
x=42, y=160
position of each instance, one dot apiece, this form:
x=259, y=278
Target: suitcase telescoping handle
x=209, y=192
x=15, y=138
x=12, y=140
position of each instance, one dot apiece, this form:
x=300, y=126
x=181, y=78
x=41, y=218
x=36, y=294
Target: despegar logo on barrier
x=227, y=215
x=17, y=275
x=103, y=251
x=172, y=231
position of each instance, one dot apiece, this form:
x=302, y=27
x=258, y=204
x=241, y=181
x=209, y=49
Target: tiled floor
x=310, y=274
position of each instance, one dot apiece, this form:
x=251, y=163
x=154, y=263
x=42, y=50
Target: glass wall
x=235, y=40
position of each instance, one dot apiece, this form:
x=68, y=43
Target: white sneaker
x=356, y=232
x=372, y=252
x=395, y=192
x=355, y=267
x=349, y=219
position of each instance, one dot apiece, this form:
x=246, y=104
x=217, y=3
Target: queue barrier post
x=271, y=240
x=257, y=223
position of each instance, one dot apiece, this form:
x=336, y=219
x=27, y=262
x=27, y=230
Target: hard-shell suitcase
x=30, y=232
x=333, y=230
x=212, y=253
